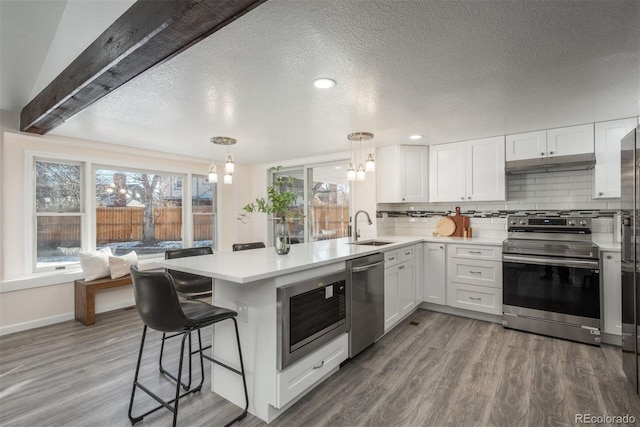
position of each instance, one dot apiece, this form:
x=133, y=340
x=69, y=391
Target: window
x=203, y=209
x=325, y=191
x=58, y=213
x=138, y=210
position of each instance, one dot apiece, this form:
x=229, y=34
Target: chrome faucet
x=355, y=223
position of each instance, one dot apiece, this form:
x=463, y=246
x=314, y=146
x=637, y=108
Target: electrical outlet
x=243, y=311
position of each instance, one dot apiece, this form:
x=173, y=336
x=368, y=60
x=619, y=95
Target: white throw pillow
x=95, y=264
x=119, y=265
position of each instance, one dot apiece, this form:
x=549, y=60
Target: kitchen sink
x=371, y=243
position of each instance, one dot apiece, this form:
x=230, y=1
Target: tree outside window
x=138, y=210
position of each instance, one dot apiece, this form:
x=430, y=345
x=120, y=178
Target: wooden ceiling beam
x=149, y=33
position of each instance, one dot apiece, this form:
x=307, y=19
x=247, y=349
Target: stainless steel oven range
x=551, y=277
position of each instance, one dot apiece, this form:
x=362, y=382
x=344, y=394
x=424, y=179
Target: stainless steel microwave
x=310, y=314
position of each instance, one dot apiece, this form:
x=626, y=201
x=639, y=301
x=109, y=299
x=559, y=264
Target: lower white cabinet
x=611, y=288
x=399, y=286
x=419, y=285
x=475, y=283
x=292, y=381
x=433, y=268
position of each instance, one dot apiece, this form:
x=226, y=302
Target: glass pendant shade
x=351, y=172
x=228, y=178
x=370, y=164
x=213, y=173
x=229, y=166
x=360, y=173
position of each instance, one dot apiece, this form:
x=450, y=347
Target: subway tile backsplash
x=571, y=190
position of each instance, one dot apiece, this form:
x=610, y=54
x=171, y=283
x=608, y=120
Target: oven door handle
x=576, y=263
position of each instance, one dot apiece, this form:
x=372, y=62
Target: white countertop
x=256, y=264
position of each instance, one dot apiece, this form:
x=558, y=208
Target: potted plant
x=277, y=203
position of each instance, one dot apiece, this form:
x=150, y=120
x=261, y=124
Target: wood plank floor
x=444, y=371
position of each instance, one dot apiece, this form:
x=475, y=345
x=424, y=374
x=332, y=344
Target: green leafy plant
x=278, y=200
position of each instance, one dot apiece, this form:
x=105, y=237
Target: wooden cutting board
x=445, y=227
x=461, y=222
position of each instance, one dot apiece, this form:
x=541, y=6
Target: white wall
x=28, y=300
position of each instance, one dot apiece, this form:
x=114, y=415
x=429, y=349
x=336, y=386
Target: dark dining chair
x=189, y=286
x=244, y=246
x=160, y=309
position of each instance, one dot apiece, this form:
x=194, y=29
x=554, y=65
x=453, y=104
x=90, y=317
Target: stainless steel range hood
x=551, y=164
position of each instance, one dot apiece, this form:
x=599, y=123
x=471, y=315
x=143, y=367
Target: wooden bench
x=85, y=295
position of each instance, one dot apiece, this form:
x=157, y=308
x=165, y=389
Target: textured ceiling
x=448, y=70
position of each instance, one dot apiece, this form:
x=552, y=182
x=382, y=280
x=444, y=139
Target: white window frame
x=88, y=227
x=33, y=257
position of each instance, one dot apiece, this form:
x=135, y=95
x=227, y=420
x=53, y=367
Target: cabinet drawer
x=493, y=253
x=475, y=298
x=295, y=379
x=405, y=254
x=391, y=258
x=474, y=272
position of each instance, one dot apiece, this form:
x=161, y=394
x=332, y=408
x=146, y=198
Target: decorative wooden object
x=462, y=222
x=85, y=296
x=147, y=34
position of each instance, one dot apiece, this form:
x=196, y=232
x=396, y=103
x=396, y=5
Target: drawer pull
x=408, y=253
x=475, y=252
x=319, y=366
x=475, y=272
x=391, y=258
x=401, y=267
x=475, y=298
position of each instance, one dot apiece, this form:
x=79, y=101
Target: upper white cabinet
x=402, y=174
x=469, y=170
x=607, y=145
x=551, y=142
x=526, y=145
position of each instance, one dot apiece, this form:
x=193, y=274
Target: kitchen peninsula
x=246, y=281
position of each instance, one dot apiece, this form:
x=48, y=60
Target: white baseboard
x=58, y=318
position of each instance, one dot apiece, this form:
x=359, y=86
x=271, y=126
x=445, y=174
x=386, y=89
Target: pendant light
x=229, y=166
x=359, y=175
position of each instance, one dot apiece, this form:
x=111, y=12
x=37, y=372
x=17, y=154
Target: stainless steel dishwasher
x=366, y=295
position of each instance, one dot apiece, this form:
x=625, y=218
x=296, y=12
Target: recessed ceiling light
x=415, y=137
x=324, y=83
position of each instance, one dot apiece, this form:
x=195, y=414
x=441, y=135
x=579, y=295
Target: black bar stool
x=244, y=246
x=160, y=309
x=189, y=286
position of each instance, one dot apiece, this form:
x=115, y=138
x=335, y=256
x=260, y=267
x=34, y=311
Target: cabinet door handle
x=601, y=194
x=319, y=366
x=441, y=247
x=608, y=256
x=475, y=299
x=407, y=253
x=462, y=198
x=542, y=154
x=550, y=152
x=401, y=267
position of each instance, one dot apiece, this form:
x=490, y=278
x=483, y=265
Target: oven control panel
x=541, y=223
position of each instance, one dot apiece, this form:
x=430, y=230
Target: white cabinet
x=399, y=285
x=295, y=379
x=402, y=174
x=474, y=278
x=607, y=146
x=551, y=142
x=433, y=269
x=526, y=145
x=419, y=285
x=611, y=288
x=469, y=170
